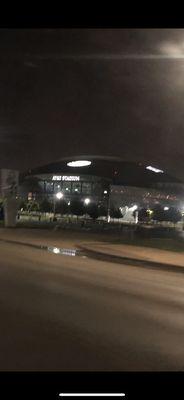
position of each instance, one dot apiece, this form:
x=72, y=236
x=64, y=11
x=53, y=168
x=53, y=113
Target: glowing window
x=79, y=163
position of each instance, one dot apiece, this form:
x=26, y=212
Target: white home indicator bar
x=92, y=394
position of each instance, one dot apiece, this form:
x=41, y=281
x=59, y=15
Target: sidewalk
x=137, y=253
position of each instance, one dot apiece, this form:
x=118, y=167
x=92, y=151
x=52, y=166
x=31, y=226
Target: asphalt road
x=73, y=313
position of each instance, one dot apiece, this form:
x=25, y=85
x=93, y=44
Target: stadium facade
x=102, y=180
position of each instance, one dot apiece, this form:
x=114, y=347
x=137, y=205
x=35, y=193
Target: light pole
x=86, y=202
x=109, y=205
x=58, y=196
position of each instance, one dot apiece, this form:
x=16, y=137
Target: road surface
x=75, y=313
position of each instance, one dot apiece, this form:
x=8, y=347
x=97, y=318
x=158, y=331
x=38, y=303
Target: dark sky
x=92, y=91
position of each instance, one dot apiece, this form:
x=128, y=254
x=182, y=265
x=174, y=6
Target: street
x=74, y=313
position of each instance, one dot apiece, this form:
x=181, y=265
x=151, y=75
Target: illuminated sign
x=70, y=178
x=66, y=178
x=56, y=178
x=154, y=169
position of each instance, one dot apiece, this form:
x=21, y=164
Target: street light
x=59, y=195
x=86, y=201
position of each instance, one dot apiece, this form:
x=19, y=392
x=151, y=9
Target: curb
x=130, y=261
x=33, y=245
x=134, y=262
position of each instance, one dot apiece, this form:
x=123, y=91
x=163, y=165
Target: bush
x=92, y=211
x=22, y=205
x=143, y=215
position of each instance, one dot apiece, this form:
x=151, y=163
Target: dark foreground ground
x=74, y=313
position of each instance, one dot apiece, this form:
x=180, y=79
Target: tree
x=45, y=206
x=77, y=207
x=61, y=207
x=33, y=206
x=115, y=213
x=173, y=215
x=159, y=213
x=102, y=211
x=92, y=211
x=31, y=184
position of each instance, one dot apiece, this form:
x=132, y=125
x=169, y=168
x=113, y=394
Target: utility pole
x=9, y=187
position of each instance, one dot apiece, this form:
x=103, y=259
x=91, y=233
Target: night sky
x=116, y=92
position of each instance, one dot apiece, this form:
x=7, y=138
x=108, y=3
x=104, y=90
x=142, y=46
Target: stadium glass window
x=67, y=187
x=86, y=188
x=76, y=187
x=57, y=187
x=41, y=185
x=97, y=189
x=49, y=187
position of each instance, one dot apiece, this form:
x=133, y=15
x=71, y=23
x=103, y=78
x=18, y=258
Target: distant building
x=97, y=178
